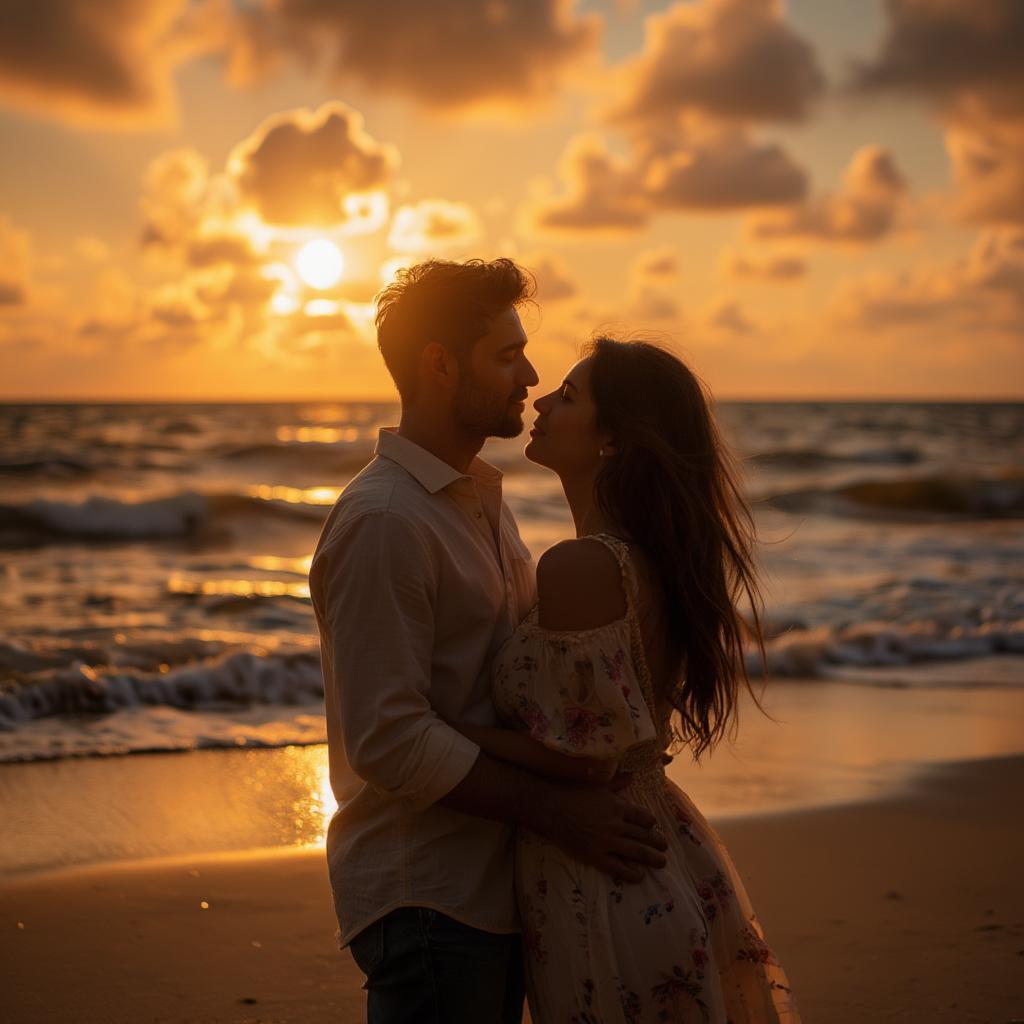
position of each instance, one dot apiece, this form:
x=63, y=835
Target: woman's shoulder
x=579, y=586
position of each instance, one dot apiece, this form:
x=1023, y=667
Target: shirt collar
x=431, y=472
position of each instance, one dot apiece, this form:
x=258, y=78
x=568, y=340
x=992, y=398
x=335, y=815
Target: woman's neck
x=586, y=516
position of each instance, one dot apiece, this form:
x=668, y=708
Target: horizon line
x=394, y=400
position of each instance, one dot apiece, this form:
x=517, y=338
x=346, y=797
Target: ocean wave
x=815, y=458
x=185, y=515
x=963, y=497
x=344, y=458
x=237, y=680
x=815, y=653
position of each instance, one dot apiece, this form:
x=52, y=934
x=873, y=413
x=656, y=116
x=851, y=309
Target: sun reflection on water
x=296, y=495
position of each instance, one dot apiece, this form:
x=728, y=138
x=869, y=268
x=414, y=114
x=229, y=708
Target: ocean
x=154, y=564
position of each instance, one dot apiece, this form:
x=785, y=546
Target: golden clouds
x=733, y=60
x=300, y=167
x=761, y=268
x=602, y=192
x=434, y=225
x=964, y=55
x=866, y=208
x=446, y=54
x=14, y=265
x=707, y=168
x=979, y=294
x=112, y=63
x=686, y=106
x=721, y=169
x=988, y=166
x=555, y=282
x=103, y=63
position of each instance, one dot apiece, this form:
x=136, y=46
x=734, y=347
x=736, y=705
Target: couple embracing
x=498, y=732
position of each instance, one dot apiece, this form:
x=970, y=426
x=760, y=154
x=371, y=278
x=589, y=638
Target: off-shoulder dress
x=682, y=945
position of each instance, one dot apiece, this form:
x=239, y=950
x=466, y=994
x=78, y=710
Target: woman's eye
x=564, y=393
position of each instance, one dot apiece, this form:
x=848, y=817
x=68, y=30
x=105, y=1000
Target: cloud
x=988, y=167
x=657, y=263
x=738, y=266
x=299, y=167
x=865, y=209
x=651, y=293
x=446, y=54
x=966, y=58
x=733, y=60
x=706, y=168
x=115, y=309
x=554, y=281
x=983, y=291
x=107, y=64
x=15, y=251
x=602, y=193
x=432, y=225
x=953, y=51
x=722, y=170
x=174, y=190
x=647, y=304
x=725, y=316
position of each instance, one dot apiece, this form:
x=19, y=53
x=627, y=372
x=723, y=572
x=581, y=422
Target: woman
x=636, y=640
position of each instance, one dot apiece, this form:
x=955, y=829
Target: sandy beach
x=906, y=908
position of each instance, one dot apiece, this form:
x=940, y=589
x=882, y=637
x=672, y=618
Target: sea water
x=154, y=560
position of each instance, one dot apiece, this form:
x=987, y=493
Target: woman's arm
x=520, y=749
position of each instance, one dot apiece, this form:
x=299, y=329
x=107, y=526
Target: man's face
x=493, y=381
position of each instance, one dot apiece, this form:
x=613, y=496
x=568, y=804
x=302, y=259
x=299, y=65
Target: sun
x=319, y=263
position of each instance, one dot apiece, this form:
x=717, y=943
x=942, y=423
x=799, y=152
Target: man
x=418, y=578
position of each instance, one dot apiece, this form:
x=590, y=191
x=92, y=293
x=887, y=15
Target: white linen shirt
x=418, y=577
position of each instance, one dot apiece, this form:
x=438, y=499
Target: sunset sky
x=822, y=198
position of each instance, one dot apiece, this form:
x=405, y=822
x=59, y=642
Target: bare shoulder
x=579, y=586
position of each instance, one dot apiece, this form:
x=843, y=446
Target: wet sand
x=906, y=908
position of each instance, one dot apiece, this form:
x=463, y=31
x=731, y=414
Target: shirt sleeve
x=377, y=584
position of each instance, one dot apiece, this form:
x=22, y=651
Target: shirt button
x=478, y=514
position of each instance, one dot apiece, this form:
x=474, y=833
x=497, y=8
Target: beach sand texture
x=908, y=908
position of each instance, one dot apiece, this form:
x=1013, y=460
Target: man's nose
x=531, y=379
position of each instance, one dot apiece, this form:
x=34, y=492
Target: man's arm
x=519, y=748
x=591, y=823
x=376, y=584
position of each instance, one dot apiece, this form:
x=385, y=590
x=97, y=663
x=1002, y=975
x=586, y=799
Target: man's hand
x=596, y=826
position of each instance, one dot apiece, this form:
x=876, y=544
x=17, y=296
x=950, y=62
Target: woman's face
x=565, y=437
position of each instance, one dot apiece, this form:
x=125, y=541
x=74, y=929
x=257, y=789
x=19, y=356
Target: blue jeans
x=422, y=967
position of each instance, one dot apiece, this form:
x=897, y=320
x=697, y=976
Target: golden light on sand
x=320, y=263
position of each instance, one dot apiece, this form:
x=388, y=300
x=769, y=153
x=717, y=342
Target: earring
x=601, y=453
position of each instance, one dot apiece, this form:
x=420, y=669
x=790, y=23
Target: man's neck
x=443, y=440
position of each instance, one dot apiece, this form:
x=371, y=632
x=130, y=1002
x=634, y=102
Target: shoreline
x=828, y=745
x=910, y=905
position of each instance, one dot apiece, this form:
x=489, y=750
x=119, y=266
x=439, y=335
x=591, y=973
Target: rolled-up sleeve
x=377, y=584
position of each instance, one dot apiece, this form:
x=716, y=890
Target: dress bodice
x=586, y=692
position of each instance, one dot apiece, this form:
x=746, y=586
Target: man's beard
x=484, y=413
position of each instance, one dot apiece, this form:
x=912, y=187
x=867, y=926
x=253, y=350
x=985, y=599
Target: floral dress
x=682, y=945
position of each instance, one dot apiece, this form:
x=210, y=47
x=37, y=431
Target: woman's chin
x=530, y=451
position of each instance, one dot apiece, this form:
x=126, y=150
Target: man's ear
x=440, y=366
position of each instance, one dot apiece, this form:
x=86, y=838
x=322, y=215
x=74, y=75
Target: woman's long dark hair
x=673, y=488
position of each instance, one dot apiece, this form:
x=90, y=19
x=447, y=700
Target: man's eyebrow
x=513, y=345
